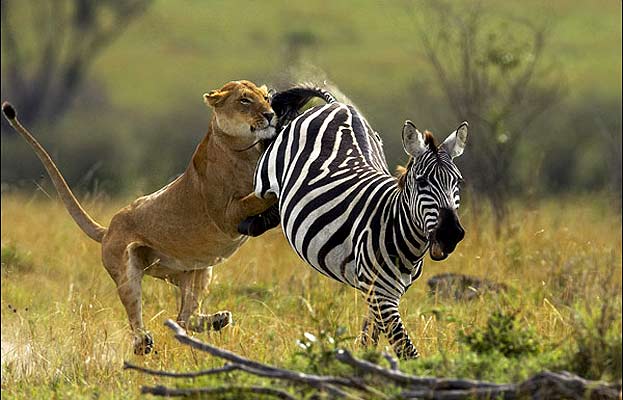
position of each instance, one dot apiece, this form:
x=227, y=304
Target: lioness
x=181, y=231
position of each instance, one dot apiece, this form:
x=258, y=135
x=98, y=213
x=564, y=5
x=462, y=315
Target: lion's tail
x=94, y=230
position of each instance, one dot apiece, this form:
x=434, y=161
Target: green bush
x=318, y=351
x=503, y=335
x=13, y=259
x=596, y=352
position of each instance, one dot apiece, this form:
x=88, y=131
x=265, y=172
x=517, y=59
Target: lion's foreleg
x=192, y=284
x=249, y=205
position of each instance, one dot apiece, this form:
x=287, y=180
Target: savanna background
x=113, y=90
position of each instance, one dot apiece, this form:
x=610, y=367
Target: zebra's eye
x=461, y=183
x=245, y=101
x=421, y=182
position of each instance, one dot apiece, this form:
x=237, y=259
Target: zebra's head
x=431, y=184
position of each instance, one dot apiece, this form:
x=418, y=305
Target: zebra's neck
x=409, y=235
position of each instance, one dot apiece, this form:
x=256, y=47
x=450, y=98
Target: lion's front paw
x=143, y=343
x=214, y=322
x=220, y=320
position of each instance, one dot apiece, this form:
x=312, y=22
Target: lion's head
x=242, y=110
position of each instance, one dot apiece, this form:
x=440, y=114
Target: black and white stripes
x=343, y=212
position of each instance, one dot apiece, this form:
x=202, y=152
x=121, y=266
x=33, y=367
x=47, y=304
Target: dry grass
x=64, y=332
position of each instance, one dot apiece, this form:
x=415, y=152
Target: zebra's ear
x=412, y=140
x=455, y=143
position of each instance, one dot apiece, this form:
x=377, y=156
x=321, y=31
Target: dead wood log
x=403, y=379
x=541, y=386
x=225, y=368
x=328, y=384
x=216, y=391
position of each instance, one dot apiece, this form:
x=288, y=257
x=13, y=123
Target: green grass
x=64, y=331
x=65, y=335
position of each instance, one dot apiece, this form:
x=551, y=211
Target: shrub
x=13, y=259
x=597, y=349
x=503, y=335
x=318, y=351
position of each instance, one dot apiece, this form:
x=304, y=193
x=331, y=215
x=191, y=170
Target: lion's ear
x=215, y=97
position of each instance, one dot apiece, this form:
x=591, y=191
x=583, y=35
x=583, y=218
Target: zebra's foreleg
x=370, y=331
x=385, y=311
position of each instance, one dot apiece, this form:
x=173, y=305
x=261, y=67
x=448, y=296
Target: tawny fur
x=181, y=231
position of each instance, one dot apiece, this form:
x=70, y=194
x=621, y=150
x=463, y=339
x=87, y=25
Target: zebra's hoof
x=409, y=354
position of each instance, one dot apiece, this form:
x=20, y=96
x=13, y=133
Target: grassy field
x=64, y=330
x=65, y=335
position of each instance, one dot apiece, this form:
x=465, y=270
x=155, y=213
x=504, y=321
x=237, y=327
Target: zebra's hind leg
x=385, y=311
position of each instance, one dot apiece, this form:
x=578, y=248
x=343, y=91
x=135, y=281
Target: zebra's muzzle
x=436, y=252
x=446, y=236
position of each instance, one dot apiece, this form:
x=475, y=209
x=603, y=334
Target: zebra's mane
x=430, y=141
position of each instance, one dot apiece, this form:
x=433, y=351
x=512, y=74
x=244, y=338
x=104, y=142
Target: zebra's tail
x=287, y=104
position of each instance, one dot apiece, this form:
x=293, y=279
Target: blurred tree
x=295, y=43
x=614, y=158
x=42, y=76
x=489, y=71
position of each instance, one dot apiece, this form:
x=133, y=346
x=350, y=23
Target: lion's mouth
x=267, y=132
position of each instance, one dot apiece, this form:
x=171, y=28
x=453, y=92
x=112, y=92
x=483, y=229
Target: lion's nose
x=269, y=116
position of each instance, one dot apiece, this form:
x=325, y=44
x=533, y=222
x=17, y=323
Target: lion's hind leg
x=126, y=265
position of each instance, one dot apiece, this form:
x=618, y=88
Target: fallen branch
x=226, y=368
x=403, y=379
x=329, y=384
x=393, y=363
x=238, y=391
x=566, y=385
x=544, y=385
x=325, y=383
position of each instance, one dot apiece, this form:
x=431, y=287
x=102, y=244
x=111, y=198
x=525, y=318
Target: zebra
x=343, y=212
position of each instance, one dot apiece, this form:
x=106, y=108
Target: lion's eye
x=245, y=101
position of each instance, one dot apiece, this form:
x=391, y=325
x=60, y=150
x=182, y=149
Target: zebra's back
x=328, y=170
